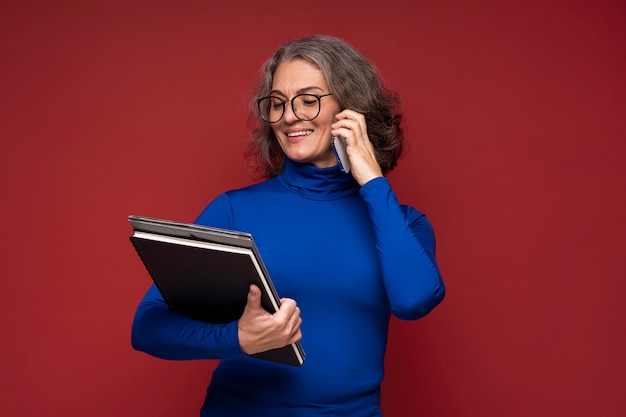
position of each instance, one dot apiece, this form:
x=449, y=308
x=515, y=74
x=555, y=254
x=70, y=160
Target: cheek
x=276, y=133
x=329, y=116
x=326, y=121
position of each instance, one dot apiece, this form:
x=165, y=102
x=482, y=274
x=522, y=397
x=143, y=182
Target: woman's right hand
x=260, y=331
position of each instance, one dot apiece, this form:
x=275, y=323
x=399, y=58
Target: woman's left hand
x=351, y=125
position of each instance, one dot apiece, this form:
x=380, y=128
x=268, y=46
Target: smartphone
x=339, y=147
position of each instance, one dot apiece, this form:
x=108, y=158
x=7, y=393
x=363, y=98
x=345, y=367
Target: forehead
x=297, y=75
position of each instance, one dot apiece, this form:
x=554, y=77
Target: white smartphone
x=339, y=147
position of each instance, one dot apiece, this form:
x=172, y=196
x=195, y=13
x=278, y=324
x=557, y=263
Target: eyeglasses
x=305, y=107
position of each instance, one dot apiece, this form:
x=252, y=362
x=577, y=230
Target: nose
x=290, y=115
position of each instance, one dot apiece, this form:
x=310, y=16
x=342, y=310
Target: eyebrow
x=300, y=91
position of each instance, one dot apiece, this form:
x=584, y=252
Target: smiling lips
x=297, y=136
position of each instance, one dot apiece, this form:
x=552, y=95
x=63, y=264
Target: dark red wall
x=515, y=116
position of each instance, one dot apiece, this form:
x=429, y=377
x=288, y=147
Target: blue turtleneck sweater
x=350, y=256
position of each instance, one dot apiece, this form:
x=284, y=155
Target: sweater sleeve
x=162, y=333
x=405, y=243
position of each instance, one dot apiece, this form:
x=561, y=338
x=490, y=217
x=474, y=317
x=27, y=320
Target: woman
x=339, y=246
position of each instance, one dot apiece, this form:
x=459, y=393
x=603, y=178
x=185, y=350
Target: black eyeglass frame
x=290, y=101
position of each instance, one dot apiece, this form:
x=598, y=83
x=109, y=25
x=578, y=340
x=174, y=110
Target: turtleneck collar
x=317, y=183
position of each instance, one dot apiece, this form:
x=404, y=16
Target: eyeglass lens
x=304, y=106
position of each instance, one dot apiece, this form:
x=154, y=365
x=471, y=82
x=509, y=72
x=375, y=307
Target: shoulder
x=379, y=195
x=259, y=187
x=379, y=191
x=220, y=211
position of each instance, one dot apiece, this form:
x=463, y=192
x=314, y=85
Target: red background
x=515, y=117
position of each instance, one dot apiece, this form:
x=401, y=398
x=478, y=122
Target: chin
x=299, y=157
x=319, y=161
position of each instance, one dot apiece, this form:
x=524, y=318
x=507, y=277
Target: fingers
x=351, y=125
x=254, y=296
x=290, y=313
x=288, y=318
x=260, y=331
x=253, y=304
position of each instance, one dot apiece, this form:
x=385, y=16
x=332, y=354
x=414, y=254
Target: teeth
x=300, y=133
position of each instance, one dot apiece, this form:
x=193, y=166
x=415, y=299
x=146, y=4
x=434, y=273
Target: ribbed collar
x=317, y=183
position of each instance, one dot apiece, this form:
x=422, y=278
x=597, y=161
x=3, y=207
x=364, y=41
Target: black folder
x=205, y=273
